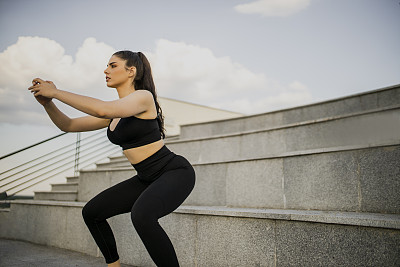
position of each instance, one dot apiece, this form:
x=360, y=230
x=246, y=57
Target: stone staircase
x=316, y=185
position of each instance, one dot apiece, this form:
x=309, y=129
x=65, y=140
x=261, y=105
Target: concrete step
x=115, y=157
x=119, y=162
x=57, y=195
x=357, y=179
x=366, y=128
x=64, y=187
x=72, y=179
x=221, y=236
x=371, y=128
x=341, y=106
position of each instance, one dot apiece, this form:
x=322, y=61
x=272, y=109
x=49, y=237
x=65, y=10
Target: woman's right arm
x=66, y=124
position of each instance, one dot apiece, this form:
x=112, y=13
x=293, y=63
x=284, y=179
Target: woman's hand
x=46, y=89
x=43, y=100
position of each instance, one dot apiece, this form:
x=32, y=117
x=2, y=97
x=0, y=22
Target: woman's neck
x=125, y=90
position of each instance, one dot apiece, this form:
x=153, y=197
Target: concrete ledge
x=218, y=236
x=391, y=221
x=51, y=223
x=49, y=203
x=349, y=104
x=285, y=126
x=365, y=129
x=56, y=195
x=373, y=127
x=128, y=166
x=348, y=179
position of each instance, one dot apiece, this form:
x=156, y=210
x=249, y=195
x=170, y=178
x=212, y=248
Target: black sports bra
x=133, y=132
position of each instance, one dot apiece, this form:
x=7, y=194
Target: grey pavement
x=24, y=254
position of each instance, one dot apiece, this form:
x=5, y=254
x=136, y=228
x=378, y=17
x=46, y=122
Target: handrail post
x=77, y=149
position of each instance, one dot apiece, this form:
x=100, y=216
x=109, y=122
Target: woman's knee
x=88, y=212
x=142, y=218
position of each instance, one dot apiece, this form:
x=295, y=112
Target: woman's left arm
x=133, y=104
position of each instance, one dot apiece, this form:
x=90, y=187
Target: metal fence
x=53, y=161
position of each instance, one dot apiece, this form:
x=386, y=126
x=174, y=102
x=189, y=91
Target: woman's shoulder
x=145, y=99
x=143, y=94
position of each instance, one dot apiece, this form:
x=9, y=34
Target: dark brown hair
x=143, y=79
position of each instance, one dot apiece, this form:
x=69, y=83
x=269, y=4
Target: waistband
x=151, y=168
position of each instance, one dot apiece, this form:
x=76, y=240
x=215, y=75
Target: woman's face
x=116, y=72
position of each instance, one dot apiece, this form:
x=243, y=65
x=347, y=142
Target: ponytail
x=143, y=79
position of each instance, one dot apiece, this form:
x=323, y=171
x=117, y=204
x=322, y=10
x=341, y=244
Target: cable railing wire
x=50, y=153
x=59, y=155
x=79, y=160
x=112, y=149
x=25, y=148
x=69, y=164
x=53, y=164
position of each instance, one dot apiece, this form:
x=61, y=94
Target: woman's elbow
x=102, y=111
x=102, y=114
x=65, y=128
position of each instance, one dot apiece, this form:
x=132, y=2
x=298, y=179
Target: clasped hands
x=43, y=90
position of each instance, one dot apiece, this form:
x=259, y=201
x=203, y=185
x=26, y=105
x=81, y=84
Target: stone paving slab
x=24, y=254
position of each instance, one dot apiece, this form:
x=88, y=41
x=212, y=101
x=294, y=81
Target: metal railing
x=80, y=154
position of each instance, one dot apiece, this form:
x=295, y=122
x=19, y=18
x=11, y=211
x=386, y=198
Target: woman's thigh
x=117, y=199
x=168, y=192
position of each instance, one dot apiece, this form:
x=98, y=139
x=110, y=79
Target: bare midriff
x=138, y=154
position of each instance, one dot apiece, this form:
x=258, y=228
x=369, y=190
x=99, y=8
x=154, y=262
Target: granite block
x=130, y=247
x=210, y=187
x=389, y=97
x=316, y=244
x=261, y=144
x=255, y=184
x=190, y=150
x=340, y=106
x=321, y=181
x=181, y=229
x=224, y=241
x=93, y=182
x=226, y=126
x=57, y=226
x=379, y=171
x=262, y=121
x=219, y=149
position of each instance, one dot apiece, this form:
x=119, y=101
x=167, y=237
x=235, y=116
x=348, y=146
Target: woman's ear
x=132, y=71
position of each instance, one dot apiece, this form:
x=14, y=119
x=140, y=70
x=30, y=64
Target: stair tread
x=272, y=156
x=71, y=183
x=57, y=192
x=288, y=125
x=365, y=101
x=380, y=220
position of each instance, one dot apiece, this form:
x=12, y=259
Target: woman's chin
x=110, y=85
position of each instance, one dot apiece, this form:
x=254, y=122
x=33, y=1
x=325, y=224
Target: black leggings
x=150, y=195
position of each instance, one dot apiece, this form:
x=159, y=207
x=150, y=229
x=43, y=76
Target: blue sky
x=245, y=56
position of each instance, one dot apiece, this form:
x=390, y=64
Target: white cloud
x=273, y=8
x=181, y=71
x=193, y=73
x=32, y=57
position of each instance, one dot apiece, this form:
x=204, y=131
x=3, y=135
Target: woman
x=135, y=122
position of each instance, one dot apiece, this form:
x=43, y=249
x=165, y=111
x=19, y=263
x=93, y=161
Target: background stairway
x=316, y=185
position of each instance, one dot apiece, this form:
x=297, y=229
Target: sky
x=245, y=56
